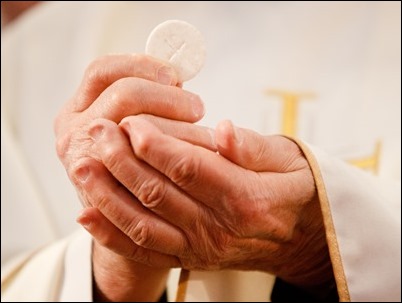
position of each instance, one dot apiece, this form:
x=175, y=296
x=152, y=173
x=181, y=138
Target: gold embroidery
x=290, y=108
x=182, y=288
x=290, y=101
x=370, y=162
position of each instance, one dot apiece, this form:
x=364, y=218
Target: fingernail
x=82, y=174
x=237, y=134
x=96, y=132
x=198, y=106
x=165, y=75
x=84, y=220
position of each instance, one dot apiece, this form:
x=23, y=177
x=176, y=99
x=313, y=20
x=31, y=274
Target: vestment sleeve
x=362, y=217
x=60, y=272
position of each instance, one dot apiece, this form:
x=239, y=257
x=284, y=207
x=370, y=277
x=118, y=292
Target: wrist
x=311, y=269
x=117, y=279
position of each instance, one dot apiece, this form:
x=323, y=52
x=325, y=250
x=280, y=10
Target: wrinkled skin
x=112, y=88
x=164, y=192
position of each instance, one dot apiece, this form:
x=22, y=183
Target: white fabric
x=366, y=212
x=40, y=279
x=346, y=54
x=229, y=286
x=77, y=284
x=61, y=272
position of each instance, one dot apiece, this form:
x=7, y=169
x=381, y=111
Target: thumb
x=257, y=152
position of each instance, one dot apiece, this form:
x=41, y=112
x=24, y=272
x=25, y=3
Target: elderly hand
x=114, y=87
x=252, y=206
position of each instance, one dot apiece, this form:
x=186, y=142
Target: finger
x=109, y=236
x=256, y=152
x=240, y=200
x=194, y=134
x=278, y=158
x=194, y=169
x=131, y=96
x=152, y=189
x=143, y=227
x=105, y=70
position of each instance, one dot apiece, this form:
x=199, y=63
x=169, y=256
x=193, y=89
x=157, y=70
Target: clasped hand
x=165, y=192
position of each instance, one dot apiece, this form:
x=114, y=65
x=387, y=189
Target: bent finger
x=154, y=190
x=108, y=235
x=203, y=174
x=195, y=134
x=256, y=152
x=102, y=191
x=105, y=70
x=132, y=96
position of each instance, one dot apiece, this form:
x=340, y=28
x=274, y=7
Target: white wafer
x=181, y=44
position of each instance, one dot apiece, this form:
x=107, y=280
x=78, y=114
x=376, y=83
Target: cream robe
x=342, y=58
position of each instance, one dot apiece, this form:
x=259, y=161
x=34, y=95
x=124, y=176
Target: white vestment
x=342, y=59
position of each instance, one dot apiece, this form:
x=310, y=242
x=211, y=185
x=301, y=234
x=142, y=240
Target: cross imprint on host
x=174, y=48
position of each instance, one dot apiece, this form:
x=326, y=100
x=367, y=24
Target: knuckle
x=89, y=170
x=279, y=227
x=63, y=145
x=281, y=233
x=152, y=193
x=116, y=92
x=120, y=84
x=112, y=157
x=184, y=171
x=143, y=145
x=76, y=171
x=126, y=94
x=95, y=70
x=141, y=233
